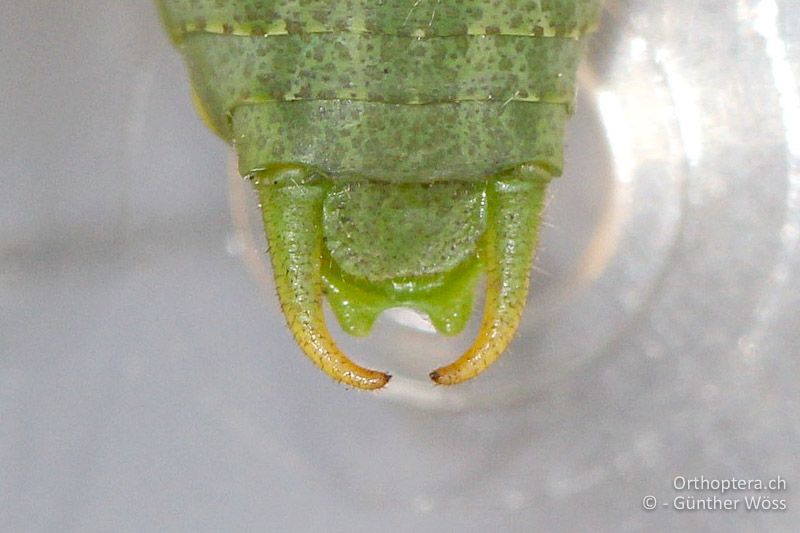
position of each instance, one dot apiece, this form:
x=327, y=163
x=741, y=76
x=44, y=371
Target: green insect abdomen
x=400, y=149
x=436, y=89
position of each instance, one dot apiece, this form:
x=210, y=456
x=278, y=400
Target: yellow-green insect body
x=400, y=149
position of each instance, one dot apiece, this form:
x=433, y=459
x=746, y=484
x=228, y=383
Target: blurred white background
x=147, y=381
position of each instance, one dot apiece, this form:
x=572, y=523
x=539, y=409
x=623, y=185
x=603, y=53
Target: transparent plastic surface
x=147, y=380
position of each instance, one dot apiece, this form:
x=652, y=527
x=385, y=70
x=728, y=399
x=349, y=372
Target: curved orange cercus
x=508, y=247
x=292, y=219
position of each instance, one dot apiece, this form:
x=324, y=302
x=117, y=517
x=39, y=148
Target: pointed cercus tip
x=498, y=331
x=374, y=381
x=437, y=377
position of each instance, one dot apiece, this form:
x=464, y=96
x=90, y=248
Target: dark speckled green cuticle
x=400, y=149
